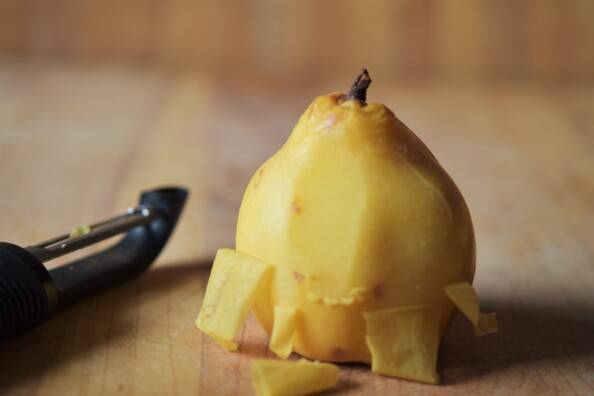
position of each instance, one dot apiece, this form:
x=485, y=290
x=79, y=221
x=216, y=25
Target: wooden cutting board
x=78, y=144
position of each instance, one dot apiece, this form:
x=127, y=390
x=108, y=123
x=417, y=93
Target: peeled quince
x=362, y=229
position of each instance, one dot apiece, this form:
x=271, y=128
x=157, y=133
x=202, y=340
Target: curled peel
x=464, y=297
x=356, y=295
x=281, y=377
x=283, y=331
x=487, y=324
x=232, y=287
x=403, y=342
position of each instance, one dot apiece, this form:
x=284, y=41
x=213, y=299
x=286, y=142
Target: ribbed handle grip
x=25, y=290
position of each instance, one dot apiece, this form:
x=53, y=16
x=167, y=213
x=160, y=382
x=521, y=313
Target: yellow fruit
x=282, y=378
x=355, y=214
x=353, y=245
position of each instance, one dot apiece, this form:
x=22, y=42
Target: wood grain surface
x=78, y=144
x=456, y=38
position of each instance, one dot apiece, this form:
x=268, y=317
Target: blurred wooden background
x=100, y=99
x=527, y=39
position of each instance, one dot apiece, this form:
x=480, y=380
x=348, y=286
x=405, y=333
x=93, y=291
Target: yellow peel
x=230, y=293
x=283, y=331
x=487, y=324
x=285, y=378
x=464, y=297
x=403, y=342
x=79, y=231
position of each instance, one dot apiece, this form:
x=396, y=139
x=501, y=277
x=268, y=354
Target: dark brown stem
x=359, y=89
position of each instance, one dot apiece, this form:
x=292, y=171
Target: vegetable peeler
x=30, y=293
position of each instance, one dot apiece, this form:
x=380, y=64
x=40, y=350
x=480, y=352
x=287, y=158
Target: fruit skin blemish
x=347, y=238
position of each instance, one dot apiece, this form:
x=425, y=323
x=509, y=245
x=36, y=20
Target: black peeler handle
x=29, y=293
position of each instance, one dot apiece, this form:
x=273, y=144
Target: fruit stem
x=359, y=89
